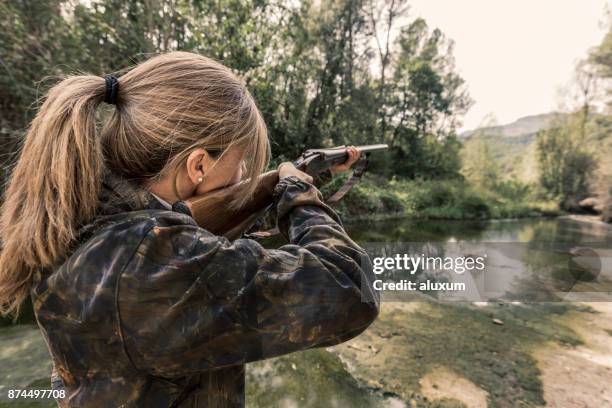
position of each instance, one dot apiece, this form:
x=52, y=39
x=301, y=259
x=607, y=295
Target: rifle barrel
x=341, y=150
x=371, y=148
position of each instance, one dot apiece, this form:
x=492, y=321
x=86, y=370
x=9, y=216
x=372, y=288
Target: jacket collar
x=120, y=195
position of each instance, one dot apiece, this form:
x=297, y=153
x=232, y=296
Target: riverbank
x=591, y=219
x=428, y=354
x=572, y=377
x=375, y=198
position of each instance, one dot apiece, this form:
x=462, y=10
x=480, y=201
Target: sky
x=515, y=55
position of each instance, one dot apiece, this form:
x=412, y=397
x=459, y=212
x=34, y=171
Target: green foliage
x=479, y=165
x=426, y=94
x=307, y=63
x=437, y=195
x=391, y=202
x=365, y=199
x=601, y=58
x=424, y=156
x=565, y=165
x=450, y=200
x=513, y=189
x=375, y=198
x=474, y=206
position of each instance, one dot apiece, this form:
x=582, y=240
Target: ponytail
x=167, y=106
x=54, y=186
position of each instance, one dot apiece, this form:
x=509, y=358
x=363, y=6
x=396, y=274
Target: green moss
x=313, y=378
x=318, y=378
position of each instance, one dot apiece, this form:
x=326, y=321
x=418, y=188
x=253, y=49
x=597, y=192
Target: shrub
x=473, y=206
x=513, y=189
x=432, y=195
x=391, y=203
x=362, y=201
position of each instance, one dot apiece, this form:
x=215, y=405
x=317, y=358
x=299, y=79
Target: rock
x=591, y=205
x=388, y=335
x=585, y=264
x=356, y=347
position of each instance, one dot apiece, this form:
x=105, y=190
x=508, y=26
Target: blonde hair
x=167, y=106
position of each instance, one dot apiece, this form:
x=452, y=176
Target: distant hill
x=512, y=146
x=522, y=127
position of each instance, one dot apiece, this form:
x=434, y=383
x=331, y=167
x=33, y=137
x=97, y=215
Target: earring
x=199, y=179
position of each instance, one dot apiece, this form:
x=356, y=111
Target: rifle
x=211, y=211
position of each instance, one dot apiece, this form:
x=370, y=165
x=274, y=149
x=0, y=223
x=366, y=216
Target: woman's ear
x=198, y=163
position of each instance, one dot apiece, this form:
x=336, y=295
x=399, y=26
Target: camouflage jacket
x=151, y=310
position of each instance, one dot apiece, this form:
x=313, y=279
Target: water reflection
x=525, y=230
x=527, y=260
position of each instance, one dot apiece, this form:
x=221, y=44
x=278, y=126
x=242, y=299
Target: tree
x=427, y=97
x=565, y=166
x=600, y=58
x=479, y=166
x=384, y=14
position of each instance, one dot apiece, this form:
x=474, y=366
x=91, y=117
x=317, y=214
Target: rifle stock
x=211, y=211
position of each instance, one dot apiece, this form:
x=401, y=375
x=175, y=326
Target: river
x=25, y=363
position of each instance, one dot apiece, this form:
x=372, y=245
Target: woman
x=138, y=305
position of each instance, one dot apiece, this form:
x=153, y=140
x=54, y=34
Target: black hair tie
x=112, y=89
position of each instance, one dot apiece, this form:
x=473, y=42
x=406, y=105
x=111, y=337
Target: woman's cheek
x=215, y=181
x=229, y=175
x=201, y=189
x=237, y=175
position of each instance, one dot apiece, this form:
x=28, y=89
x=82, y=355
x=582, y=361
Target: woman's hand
x=353, y=156
x=287, y=169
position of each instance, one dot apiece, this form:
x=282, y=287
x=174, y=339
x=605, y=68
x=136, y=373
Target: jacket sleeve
x=190, y=301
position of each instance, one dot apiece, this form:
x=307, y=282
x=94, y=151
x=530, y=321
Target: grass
x=376, y=198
